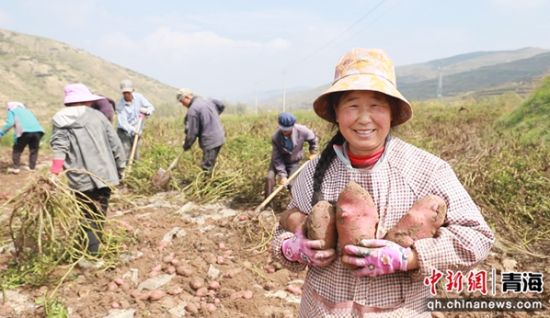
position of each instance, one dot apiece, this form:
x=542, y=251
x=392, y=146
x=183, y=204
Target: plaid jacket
x=403, y=175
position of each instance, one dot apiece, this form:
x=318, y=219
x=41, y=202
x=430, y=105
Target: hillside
x=516, y=76
x=532, y=119
x=478, y=73
x=214, y=259
x=34, y=70
x=461, y=63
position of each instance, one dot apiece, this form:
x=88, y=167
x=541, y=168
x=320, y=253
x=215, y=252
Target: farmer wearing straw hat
x=84, y=142
x=203, y=121
x=130, y=108
x=27, y=131
x=287, y=145
x=377, y=277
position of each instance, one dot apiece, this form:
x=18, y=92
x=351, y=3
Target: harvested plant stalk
x=48, y=227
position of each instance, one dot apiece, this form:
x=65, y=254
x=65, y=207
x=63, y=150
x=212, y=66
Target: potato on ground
x=321, y=224
x=422, y=221
x=356, y=215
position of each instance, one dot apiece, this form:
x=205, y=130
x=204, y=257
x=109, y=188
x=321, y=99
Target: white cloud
x=165, y=38
x=5, y=18
x=165, y=44
x=68, y=13
x=117, y=42
x=201, y=59
x=519, y=5
x=279, y=44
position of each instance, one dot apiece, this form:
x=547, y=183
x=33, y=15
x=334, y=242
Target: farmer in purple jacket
x=202, y=121
x=106, y=106
x=287, y=150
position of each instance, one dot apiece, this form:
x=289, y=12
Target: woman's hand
x=312, y=252
x=377, y=257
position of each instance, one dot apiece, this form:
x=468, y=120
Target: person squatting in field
x=376, y=277
x=27, y=132
x=131, y=109
x=84, y=142
x=203, y=121
x=287, y=145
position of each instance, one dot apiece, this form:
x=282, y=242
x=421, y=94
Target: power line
x=380, y=15
x=322, y=47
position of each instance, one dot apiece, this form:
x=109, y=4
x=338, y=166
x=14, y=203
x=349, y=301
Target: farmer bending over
x=27, y=131
x=287, y=150
x=203, y=121
x=106, y=106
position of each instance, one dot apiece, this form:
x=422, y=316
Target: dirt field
x=200, y=260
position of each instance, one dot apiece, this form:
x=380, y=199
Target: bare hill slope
x=34, y=70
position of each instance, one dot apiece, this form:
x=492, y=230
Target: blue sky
x=233, y=49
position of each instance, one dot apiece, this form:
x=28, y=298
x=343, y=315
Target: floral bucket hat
x=364, y=69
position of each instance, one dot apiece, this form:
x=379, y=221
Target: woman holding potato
x=376, y=276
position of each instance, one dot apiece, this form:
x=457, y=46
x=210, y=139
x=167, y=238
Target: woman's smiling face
x=364, y=119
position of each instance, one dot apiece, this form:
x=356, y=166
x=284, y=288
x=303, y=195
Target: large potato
x=321, y=224
x=356, y=215
x=292, y=219
x=422, y=221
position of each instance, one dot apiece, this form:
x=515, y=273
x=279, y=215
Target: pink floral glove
x=57, y=166
x=311, y=252
x=376, y=257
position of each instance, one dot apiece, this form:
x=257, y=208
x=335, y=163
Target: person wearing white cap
x=375, y=276
x=131, y=107
x=84, y=143
x=27, y=132
x=203, y=121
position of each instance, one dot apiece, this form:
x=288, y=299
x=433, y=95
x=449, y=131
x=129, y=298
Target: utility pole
x=284, y=99
x=256, y=98
x=440, y=83
x=284, y=90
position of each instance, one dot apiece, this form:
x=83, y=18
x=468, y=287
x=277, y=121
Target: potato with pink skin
x=292, y=219
x=356, y=215
x=321, y=224
x=422, y=221
x=156, y=294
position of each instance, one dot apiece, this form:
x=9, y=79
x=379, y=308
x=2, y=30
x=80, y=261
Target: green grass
x=509, y=179
x=241, y=167
x=507, y=175
x=531, y=121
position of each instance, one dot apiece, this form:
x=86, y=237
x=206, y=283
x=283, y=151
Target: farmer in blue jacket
x=287, y=151
x=27, y=131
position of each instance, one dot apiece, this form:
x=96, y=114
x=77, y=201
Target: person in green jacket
x=27, y=132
